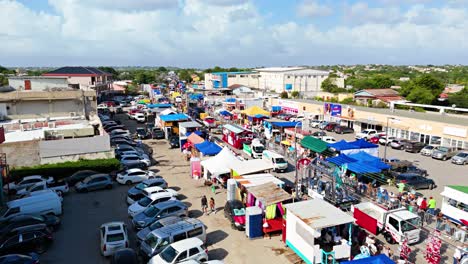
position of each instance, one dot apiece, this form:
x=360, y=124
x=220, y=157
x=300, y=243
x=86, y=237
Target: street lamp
x=295, y=159
x=386, y=136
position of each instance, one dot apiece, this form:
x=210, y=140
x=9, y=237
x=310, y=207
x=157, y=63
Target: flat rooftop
x=38, y=134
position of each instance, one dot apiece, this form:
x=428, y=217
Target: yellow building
x=430, y=127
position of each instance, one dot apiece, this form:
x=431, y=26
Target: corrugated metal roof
x=234, y=128
x=318, y=214
x=269, y=193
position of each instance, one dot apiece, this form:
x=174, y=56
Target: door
x=27, y=84
x=181, y=257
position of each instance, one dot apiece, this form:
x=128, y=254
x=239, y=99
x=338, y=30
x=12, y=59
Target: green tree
x=284, y=95
x=459, y=99
x=422, y=90
x=162, y=69
x=294, y=94
x=115, y=74
x=383, y=82
x=185, y=75
x=329, y=86
x=421, y=96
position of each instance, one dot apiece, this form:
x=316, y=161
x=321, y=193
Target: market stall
x=315, y=228
x=365, y=146
x=316, y=145
x=219, y=165
x=208, y=148
x=246, y=167
x=379, y=259
x=170, y=123
x=185, y=129
x=235, y=135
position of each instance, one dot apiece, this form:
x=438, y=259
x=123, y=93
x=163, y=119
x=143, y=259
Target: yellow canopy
x=255, y=110
x=285, y=142
x=175, y=94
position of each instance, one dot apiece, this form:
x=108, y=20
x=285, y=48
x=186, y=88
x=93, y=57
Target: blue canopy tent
x=362, y=168
x=230, y=100
x=285, y=124
x=196, y=97
x=197, y=132
x=174, y=117
x=379, y=259
x=225, y=113
x=369, y=159
x=208, y=148
x=362, y=143
x=276, y=108
x=340, y=160
x=342, y=145
x=159, y=105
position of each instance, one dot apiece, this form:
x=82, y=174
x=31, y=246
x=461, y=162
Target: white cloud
x=361, y=13
x=310, y=8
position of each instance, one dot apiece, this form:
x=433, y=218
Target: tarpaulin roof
x=220, y=163
x=276, y=108
x=224, y=112
x=175, y=117
x=314, y=144
x=230, y=100
x=255, y=110
x=251, y=166
x=269, y=193
x=259, y=116
x=196, y=97
x=362, y=143
x=208, y=148
x=197, y=132
x=234, y=128
x=285, y=124
x=342, y=145
x=167, y=112
x=341, y=159
x=379, y=259
x=159, y=105
x=195, y=139
x=362, y=168
x=369, y=159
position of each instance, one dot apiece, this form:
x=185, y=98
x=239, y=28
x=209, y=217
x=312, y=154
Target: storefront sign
x=288, y=106
x=332, y=109
x=455, y=131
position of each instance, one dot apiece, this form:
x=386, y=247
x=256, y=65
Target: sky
x=232, y=33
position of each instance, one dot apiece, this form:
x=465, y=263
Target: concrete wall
x=295, y=238
x=24, y=153
x=76, y=157
x=38, y=84
x=74, y=146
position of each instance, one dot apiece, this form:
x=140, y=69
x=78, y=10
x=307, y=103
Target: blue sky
x=244, y=33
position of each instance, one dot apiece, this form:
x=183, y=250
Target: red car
x=374, y=140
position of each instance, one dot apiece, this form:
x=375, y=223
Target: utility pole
x=386, y=137
x=295, y=161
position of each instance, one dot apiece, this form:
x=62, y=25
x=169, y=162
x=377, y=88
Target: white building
x=37, y=83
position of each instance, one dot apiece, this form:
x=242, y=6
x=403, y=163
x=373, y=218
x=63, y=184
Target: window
x=163, y=199
x=414, y=136
x=180, y=236
x=173, y=209
x=195, y=232
x=28, y=236
x=181, y=257
x=193, y=251
x=393, y=222
x=13, y=210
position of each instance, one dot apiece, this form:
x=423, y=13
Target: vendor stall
x=315, y=229
x=208, y=148
x=252, y=166
x=379, y=259
x=235, y=135
x=219, y=165
x=170, y=123
x=185, y=129
x=365, y=146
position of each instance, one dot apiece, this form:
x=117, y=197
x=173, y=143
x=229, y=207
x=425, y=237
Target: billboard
x=332, y=109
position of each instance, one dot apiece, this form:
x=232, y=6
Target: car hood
x=135, y=208
x=173, y=192
x=133, y=191
x=80, y=184
x=141, y=235
x=22, y=191
x=458, y=158
x=141, y=217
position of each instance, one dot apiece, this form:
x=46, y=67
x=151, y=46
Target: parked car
x=124, y=256
x=136, y=193
x=136, y=152
x=114, y=236
x=343, y=130
x=209, y=121
x=40, y=202
x=374, y=140
x=427, y=150
x=174, y=142
x=416, y=181
x=167, y=221
x=157, y=133
x=131, y=159
x=132, y=112
x=107, y=124
x=404, y=166
x=109, y=129
x=319, y=134
x=94, y=182
x=134, y=176
x=119, y=149
x=314, y=123
x=385, y=140
x=32, y=258
x=51, y=221
x=139, y=117
x=461, y=158
x=120, y=141
x=323, y=124
x=179, y=251
x=414, y=146
x=328, y=139
x=120, y=132
x=330, y=126
x=35, y=238
x=27, y=181
x=60, y=188
x=399, y=143
x=444, y=153
x=148, y=201
x=234, y=211
x=158, y=211
x=366, y=134
x=142, y=133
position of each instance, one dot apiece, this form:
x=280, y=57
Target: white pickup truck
x=366, y=134
x=59, y=187
x=394, y=224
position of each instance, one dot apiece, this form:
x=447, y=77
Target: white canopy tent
x=250, y=166
x=219, y=164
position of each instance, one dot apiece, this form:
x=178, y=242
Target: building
x=84, y=78
x=430, y=127
x=376, y=96
x=38, y=83
x=306, y=81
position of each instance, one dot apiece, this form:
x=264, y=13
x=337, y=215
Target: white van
x=45, y=203
x=278, y=161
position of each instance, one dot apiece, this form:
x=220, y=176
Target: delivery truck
x=394, y=224
x=254, y=149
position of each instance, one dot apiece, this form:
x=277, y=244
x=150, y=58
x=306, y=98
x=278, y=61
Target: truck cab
x=254, y=149
x=279, y=162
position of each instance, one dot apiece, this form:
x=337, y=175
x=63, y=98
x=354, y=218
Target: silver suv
x=444, y=153
x=159, y=211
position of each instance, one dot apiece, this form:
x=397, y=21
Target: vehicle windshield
x=145, y=201
x=115, y=237
x=151, y=211
x=169, y=254
x=86, y=180
x=280, y=160
x=141, y=186
x=410, y=224
x=443, y=149
x=155, y=225
x=429, y=147
x=258, y=149
x=462, y=155
x=151, y=240
x=29, y=188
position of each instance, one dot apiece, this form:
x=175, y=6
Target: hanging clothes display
x=270, y=212
x=433, y=245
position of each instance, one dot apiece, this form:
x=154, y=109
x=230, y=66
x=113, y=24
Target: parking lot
x=77, y=240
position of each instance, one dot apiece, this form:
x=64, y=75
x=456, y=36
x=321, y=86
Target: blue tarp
x=159, y=105
x=276, y=108
x=362, y=143
x=342, y=145
x=196, y=97
x=370, y=160
x=260, y=116
x=231, y=100
x=176, y=117
x=285, y=124
x=341, y=159
x=379, y=259
x=362, y=168
x=225, y=113
x=196, y=132
x=208, y=148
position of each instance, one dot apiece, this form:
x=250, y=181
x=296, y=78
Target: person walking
x=204, y=204
x=212, y=205
x=432, y=205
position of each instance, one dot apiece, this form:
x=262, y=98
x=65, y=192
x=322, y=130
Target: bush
x=284, y=95
x=294, y=94
x=348, y=101
x=66, y=169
